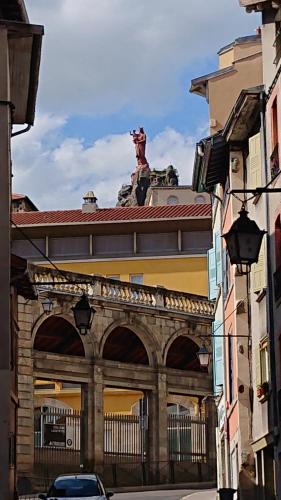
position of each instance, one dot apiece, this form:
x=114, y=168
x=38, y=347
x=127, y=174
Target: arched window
x=200, y=199
x=125, y=346
x=182, y=355
x=172, y=200
x=58, y=336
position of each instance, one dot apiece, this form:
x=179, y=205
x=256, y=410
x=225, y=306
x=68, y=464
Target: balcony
x=277, y=283
x=110, y=290
x=274, y=162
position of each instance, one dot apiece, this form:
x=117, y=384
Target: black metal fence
x=57, y=441
x=125, y=438
x=187, y=438
x=126, y=449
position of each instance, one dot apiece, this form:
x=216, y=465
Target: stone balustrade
x=119, y=291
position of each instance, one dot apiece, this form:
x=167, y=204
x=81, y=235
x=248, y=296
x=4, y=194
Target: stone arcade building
x=143, y=338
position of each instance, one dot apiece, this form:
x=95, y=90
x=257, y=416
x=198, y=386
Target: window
x=76, y=246
x=264, y=361
x=278, y=242
x=196, y=241
x=277, y=41
x=74, y=487
x=160, y=243
x=200, y=199
x=230, y=368
x=226, y=272
x=172, y=200
x=113, y=244
x=137, y=279
x=274, y=158
x=25, y=249
x=277, y=274
x=113, y=276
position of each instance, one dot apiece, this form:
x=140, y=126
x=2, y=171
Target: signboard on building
x=54, y=435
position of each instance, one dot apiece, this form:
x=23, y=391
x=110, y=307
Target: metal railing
x=187, y=438
x=119, y=291
x=125, y=438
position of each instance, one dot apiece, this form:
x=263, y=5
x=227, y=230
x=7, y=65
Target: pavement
x=157, y=495
x=168, y=495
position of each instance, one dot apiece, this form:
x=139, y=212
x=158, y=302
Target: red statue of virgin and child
x=139, y=140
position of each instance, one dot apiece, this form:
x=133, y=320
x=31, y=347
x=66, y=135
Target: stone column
x=87, y=427
x=98, y=421
x=211, y=423
x=25, y=387
x=157, y=431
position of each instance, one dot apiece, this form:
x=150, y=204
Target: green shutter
x=255, y=167
x=218, y=257
x=212, y=274
x=259, y=271
x=217, y=329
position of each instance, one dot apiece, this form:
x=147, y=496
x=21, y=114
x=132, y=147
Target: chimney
x=90, y=203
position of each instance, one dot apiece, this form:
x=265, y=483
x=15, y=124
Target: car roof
x=79, y=475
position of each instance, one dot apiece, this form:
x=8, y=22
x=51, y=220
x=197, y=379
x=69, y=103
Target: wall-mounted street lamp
x=47, y=305
x=83, y=315
x=204, y=356
x=243, y=242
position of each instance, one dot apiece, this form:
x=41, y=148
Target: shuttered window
x=217, y=329
x=25, y=249
x=258, y=365
x=255, y=162
x=218, y=258
x=72, y=247
x=212, y=274
x=151, y=243
x=259, y=271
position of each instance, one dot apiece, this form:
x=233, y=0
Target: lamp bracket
x=257, y=190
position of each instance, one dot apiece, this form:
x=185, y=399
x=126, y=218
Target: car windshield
x=75, y=487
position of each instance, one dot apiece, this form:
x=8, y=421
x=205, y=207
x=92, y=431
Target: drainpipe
x=22, y=131
x=269, y=295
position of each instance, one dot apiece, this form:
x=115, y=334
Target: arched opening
x=125, y=346
x=58, y=336
x=182, y=355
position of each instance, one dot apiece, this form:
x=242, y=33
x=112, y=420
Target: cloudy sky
x=109, y=66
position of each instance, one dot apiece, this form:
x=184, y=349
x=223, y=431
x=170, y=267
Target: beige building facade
x=141, y=339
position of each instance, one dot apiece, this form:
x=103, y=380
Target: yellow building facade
x=163, y=246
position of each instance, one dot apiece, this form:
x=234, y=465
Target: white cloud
x=56, y=173
x=100, y=56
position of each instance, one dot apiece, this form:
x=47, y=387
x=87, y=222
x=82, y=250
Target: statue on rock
x=142, y=179
x=139, y=140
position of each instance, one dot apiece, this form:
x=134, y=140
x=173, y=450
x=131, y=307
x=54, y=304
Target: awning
x=210, y=164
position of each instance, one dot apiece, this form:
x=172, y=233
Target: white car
x=77, y=487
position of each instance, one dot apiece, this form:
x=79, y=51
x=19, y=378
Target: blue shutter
x=212, y=273
x=217, y=329
x=218, y=257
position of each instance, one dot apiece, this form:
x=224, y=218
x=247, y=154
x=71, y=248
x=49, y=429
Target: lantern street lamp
x=204, y=356
x=83, y=314
x=243, y=242
x=47, y=305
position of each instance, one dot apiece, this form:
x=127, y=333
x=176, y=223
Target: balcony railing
x=277, y=283
x=97, y=287
x=274, y=162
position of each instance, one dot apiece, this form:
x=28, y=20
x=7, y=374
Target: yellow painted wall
x=115, y=400
x=187, y=274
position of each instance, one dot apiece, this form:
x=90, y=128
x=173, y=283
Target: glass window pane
x=137, y=279
x=76, y=246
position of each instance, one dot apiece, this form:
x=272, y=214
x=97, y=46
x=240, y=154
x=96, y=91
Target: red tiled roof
x=112, y=214
x=17, y=196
